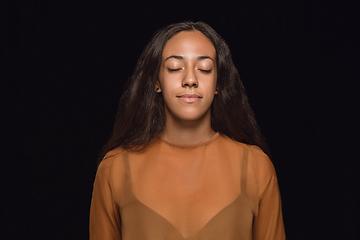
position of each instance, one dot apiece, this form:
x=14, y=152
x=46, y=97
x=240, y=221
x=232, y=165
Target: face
x=187, y=77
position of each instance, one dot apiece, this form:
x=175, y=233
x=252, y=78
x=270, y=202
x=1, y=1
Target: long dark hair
x=141, y=116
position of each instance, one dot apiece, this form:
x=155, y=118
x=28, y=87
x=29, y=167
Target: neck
x=186, y=132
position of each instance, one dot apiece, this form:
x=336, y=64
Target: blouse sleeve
x=104, y=215
x=268, y=224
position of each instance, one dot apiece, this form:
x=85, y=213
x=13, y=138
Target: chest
x=188, y=194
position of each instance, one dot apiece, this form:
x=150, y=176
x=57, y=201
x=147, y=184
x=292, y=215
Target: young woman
x=186, y=158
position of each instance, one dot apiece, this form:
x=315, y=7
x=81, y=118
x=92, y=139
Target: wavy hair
x=141, y=115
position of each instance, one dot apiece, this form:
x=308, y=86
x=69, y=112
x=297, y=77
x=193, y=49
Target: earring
x=216, y=91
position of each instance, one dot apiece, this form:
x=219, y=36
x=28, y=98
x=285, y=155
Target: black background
x=63, y=64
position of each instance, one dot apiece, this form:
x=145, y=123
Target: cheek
x=165, y=86
x=167, y=91
x=211, y=86
x=169, y=82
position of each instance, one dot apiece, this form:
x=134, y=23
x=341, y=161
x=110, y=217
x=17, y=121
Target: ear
x=157, y=87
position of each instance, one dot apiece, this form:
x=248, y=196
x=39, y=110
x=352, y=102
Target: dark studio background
x=63, y=64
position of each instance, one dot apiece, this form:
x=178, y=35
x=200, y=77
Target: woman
x=186, y=158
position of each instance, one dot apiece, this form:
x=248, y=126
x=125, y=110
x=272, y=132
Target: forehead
x=189, y=42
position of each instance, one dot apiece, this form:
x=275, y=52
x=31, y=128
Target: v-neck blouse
x=255, y=213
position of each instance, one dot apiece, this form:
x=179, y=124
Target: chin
x=188, y=113
x=191, y=116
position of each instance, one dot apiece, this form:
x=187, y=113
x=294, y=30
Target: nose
x=190, y=79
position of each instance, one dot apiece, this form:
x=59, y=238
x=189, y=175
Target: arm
x=268, y=224
x=104, y=215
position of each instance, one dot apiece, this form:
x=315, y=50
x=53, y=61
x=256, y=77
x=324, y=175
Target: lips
x=189, y=98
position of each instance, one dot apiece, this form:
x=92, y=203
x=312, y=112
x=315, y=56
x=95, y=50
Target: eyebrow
x=181, y=57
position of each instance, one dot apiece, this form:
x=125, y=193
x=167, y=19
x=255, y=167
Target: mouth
x=189, y=98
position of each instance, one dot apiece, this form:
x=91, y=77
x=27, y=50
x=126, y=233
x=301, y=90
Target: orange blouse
x=218, y=189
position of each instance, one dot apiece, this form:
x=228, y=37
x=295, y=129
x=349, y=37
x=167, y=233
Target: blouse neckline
x=212, y=139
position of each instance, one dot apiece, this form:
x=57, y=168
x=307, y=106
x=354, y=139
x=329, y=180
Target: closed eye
x=206, y=71
x=174, y=69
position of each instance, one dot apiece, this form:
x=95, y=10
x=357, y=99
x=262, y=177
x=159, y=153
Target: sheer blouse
x=218, y=189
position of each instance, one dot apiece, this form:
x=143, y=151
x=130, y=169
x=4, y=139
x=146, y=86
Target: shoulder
x=113, y=160
x=260, y=160
x=111, y=172
x=255, y=155
x=263, y=169
x=230, y=145
x=260, y=166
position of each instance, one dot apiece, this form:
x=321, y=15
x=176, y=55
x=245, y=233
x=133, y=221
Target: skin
x=187, y=80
